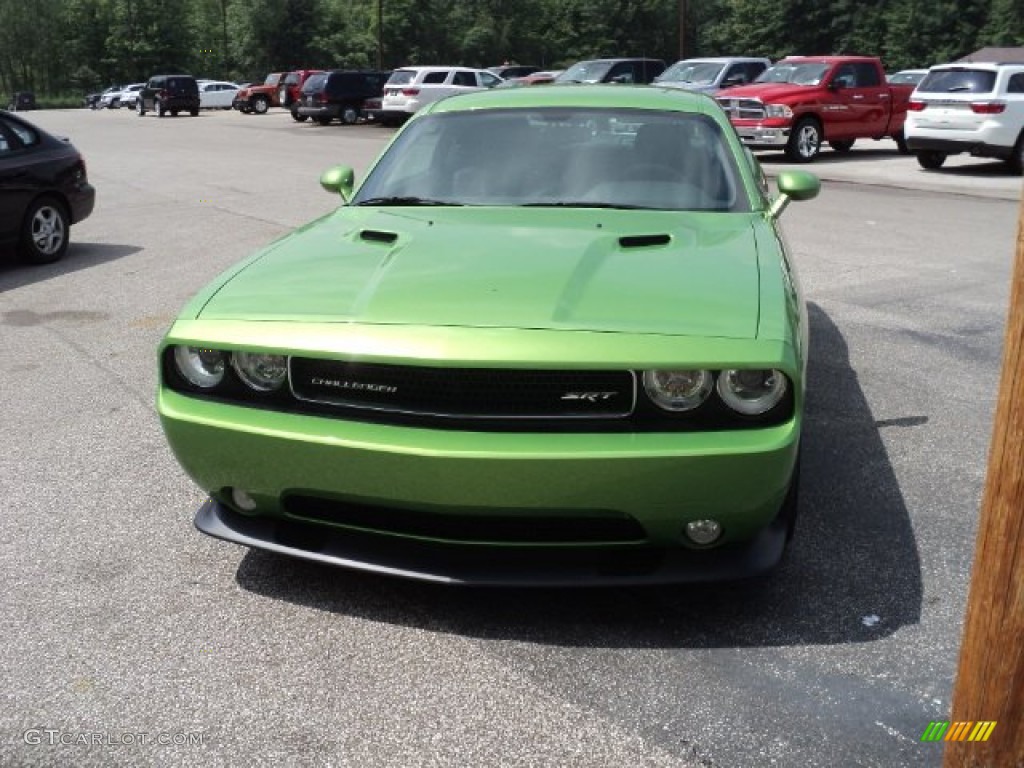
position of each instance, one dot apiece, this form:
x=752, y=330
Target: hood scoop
x=378, y=236
x=643, y=241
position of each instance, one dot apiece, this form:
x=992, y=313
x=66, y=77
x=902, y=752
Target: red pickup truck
x=801, y=101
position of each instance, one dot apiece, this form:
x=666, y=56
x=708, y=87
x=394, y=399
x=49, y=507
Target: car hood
x=768, y=92
x=566, y=269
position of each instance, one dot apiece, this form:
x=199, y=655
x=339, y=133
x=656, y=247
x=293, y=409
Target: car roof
x=723, y=59
x=978, y=65
x=576, y=95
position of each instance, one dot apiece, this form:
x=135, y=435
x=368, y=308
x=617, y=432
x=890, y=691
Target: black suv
x=638, y=71
x=169, y=93
x=340, y=94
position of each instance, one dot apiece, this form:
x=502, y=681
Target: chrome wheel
x=45, y=232
x=804, y=142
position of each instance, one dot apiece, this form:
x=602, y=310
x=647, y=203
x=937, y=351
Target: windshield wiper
x=584, y=204
x=398, y=200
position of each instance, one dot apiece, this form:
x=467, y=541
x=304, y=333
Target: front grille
x=466, y=526
x=464, y=393
x=743, y=109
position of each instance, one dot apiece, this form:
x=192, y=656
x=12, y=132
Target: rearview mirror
x=340, y=179
x=794, y=185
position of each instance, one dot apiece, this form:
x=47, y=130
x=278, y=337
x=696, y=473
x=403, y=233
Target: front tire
x=805, y=141
x=159, y=108
x=260, y=105
x=324, y=120
x=931, y=160
x=901, y=143
x=297, y=117
x=194, y=112
x=349, y=115
x=44, y=232
x=140, y=108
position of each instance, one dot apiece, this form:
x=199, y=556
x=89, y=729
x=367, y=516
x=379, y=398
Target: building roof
x=1001, y=55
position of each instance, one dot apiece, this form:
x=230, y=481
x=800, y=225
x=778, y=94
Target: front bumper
x=763, y=137
x=659, y=480
x=450, y=563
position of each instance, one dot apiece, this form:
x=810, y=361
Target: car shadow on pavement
x=15, y=273
x=852, y=573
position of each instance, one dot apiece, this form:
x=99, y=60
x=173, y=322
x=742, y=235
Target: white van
x=409, y=88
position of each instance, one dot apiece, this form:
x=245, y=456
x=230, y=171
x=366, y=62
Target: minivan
x=339, y=95
x=169, y=93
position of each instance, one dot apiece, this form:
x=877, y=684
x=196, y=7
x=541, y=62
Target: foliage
x=62, y=46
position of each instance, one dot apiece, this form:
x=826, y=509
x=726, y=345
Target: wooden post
x=990, y=680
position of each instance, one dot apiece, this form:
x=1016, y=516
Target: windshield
x=272, y=78
x=566, y=157
x=798, y=74
x=585, y=72
x=699, y=73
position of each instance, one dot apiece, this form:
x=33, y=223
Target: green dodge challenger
x=553, y=337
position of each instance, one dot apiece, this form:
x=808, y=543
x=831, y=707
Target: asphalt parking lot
x=132, y=640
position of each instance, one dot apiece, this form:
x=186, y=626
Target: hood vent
x=377, y=236
x=643, y=241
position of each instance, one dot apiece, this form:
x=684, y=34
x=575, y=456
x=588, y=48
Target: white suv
x=410, y=88
x=976, y=108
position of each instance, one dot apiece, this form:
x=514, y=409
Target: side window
x=845, y=76
x=754, y=68
x=435, y=78
x=867, y=75
x=487, y=80
x=622, y=72
x=464, y=78
x=26, y=135
x=5, y=146
x=1016, y=83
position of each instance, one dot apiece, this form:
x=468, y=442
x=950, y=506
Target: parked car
x=907, y=76
x=44, y=190
x=636, y=71
x=260, y=98
x=92, y=100
x=129, y=96
x=543, y=77
x=712, y=74
x=410, y=88
x=216, y=94
x=169, y=93
x=115, y=99
x=976, y=108
x=508, y=71
x=372, y=109
x=22, y=101
x=290, y=90
x=339, y=95
x=802, y=101
x=554, y=337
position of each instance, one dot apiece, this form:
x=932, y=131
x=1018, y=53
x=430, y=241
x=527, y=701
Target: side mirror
x=340, y=179
x=794, y=185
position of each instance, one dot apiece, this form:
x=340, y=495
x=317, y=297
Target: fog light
x=703, y=531
x=244, y=501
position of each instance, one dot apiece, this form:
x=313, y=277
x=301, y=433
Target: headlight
x=752, y=392
x=678, y=390
x=777, y=110
x=200, y=366
x=261, y=372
